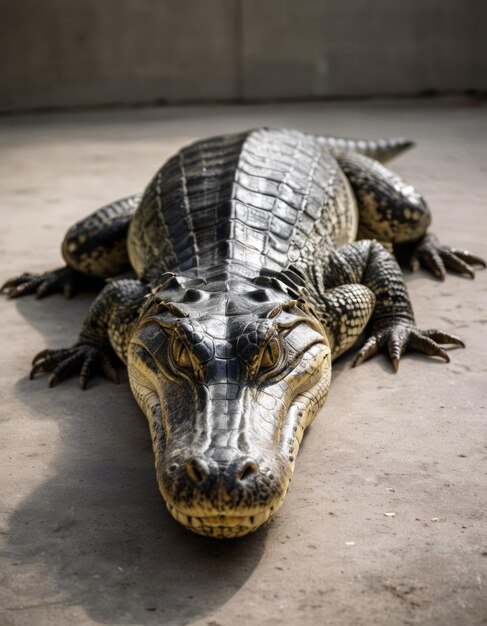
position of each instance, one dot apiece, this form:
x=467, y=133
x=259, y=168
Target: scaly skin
x=249, y=281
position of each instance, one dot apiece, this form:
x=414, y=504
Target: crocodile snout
x=222, y=492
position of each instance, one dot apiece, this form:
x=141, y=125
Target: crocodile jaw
x=223, y=526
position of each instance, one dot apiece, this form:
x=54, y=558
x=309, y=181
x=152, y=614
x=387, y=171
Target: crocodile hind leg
x=106, y=332
x=395, y=214
x=383, y=299
x=94, y=249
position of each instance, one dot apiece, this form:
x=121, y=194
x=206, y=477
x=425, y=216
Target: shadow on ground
x=99, y=526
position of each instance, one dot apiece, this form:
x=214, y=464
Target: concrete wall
x=57, y=53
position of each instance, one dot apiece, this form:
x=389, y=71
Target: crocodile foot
x=431, y=255
x=64, y=279
x=83, y=358
x=398, y=335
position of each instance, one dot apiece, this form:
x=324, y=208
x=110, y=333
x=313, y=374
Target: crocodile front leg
x=105, y=333
x=345, y=311
x=392, y=327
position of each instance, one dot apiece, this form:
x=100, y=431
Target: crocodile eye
x=181, y=354
x=271, y=355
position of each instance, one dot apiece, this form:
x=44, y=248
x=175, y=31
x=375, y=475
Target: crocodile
x=256, y=259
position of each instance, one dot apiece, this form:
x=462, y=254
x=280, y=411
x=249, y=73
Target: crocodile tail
x=382, y=150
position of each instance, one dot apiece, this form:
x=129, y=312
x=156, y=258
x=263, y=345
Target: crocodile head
x=229, y=376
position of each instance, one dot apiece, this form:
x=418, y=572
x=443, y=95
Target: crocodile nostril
x=173, y=468
x=248, y=469
x=197, y=470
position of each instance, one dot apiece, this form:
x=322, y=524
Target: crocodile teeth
x=221, y=525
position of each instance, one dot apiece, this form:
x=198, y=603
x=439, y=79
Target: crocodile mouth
x=223, y=525
x=227, y=524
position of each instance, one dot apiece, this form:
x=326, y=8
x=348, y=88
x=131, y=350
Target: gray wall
x=57, y=53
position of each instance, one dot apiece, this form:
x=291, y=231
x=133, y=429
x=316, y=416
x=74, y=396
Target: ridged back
x=259, y=199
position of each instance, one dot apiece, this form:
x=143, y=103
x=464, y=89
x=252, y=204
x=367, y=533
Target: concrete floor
x=86, y=537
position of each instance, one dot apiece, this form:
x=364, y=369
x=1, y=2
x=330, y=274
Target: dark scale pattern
x=97, y=245
x=190, y=201
x=390, y=210
x=250, y=280
x=253, y=199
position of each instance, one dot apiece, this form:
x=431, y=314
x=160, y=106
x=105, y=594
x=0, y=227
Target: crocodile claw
x=66, y=362
x=397, y=336
x=436, y=258
x=64, y=280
